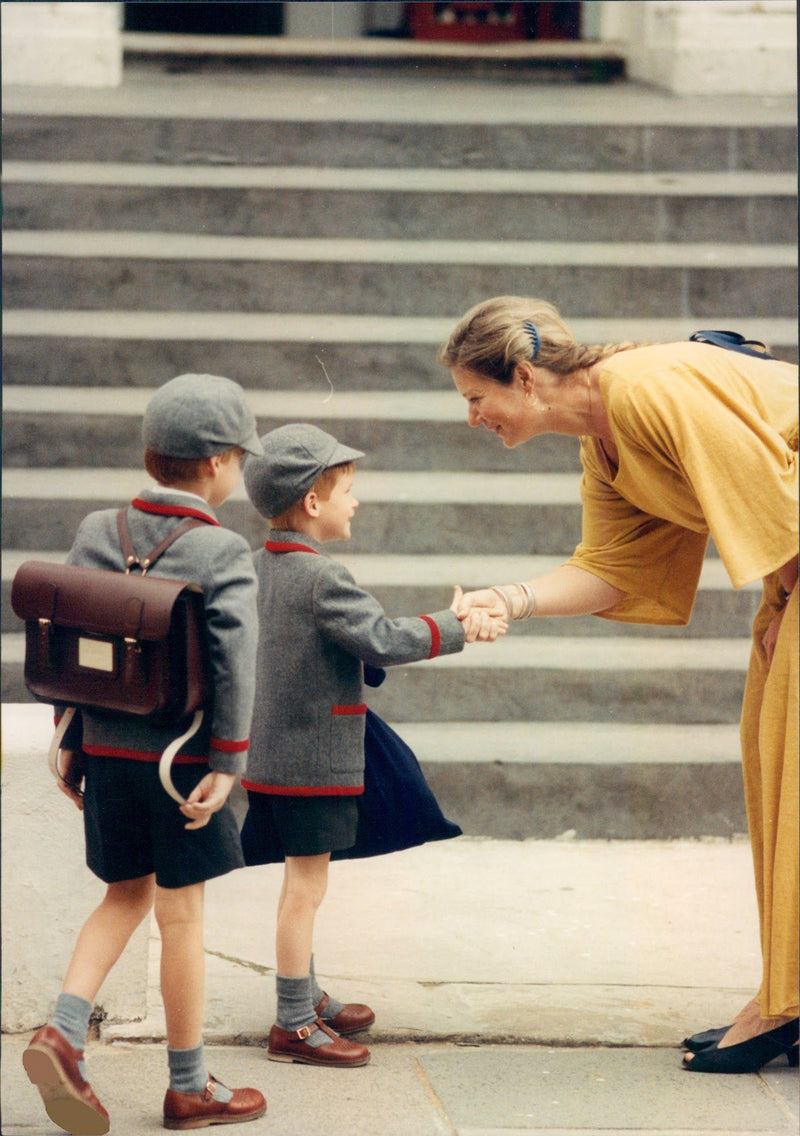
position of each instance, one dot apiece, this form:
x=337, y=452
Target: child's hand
x=479, y=625
x=70, y=775
x=207, y=798
x=478, y=622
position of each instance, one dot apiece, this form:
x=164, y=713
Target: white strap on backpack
x=164, y=765
x=55, y=744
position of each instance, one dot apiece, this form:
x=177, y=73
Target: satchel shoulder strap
x=128, y=551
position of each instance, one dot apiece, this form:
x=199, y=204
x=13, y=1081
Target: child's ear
x=213, y=464
x=310, y=504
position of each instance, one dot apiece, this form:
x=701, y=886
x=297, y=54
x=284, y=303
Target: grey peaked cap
x=196, y=416
x=294, y=456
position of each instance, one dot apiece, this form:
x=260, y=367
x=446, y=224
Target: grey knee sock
x=188, y=1073
x=295, y=1007
x=71, y=1018
x=317, y=994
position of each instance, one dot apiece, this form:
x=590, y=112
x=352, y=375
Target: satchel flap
x=96, y=601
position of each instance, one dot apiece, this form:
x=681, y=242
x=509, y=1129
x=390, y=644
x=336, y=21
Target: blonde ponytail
x=491, y=340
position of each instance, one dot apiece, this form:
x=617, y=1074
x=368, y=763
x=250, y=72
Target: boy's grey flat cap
x=294, y=456
x=196, y=416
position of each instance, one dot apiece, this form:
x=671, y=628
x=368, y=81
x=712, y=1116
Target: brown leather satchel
x=115, y=641
x=130, y=644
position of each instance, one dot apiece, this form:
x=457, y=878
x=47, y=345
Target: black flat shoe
x=749, y=1056
x=704, y=1040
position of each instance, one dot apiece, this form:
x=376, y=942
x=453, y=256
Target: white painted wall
x=47, y=889
x=66, y=44
x=707, y=46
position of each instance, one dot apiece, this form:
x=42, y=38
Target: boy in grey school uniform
x=149, y=851
x=317, y=629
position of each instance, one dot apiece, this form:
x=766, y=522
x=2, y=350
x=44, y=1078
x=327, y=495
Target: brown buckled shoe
x=199, y=1110
x=292, y=1045
x=352, y=1017
x=52, y=1065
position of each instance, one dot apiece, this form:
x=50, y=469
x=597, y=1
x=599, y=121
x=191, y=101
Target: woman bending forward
x=678, y=442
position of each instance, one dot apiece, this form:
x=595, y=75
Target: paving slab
x=621, y=1090
x=439, y=1090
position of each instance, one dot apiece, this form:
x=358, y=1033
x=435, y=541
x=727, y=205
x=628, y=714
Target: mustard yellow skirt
x=769, y=733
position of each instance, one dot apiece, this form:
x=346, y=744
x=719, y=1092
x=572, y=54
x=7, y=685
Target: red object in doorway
x=467, y=22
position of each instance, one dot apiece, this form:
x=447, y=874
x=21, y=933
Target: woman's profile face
x=498, y=407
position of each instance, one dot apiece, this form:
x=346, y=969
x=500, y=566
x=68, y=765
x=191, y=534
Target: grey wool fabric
x=318, y=628
x=220, y=562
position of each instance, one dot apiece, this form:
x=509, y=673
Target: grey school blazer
x=220, y=562
x=317, y=629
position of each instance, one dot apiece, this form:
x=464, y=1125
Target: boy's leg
x=298, y=1035
x=54, y=1059
x=194, y=1097
x=179, y=914
x=305, y=882
x=106, y=933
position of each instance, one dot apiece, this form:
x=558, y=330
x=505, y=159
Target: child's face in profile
x=336, y=513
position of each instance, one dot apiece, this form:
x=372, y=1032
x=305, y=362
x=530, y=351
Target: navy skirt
x=397, y=809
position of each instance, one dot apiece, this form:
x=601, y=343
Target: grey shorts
x=134, y=829
x=278, y=826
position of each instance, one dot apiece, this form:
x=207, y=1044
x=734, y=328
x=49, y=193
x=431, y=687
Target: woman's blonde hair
x=492, y=339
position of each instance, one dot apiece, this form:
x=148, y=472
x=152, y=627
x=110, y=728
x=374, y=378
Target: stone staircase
x=319, y=258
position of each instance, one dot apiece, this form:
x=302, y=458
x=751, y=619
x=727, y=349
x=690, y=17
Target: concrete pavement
x=531, y=986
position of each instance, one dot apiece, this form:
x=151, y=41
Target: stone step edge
x=130, y=402
x=381, y=571
x=528, y=743
x=570, y=743
x=365, y=49
x=558, y=653
x=333, y=328
x=106, y=245
x=731, y=183
x=419, y=487
x=156, y=95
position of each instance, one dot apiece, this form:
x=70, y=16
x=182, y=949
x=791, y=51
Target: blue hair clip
x=536, y=340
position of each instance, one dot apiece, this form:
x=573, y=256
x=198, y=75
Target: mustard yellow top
x=707, y=442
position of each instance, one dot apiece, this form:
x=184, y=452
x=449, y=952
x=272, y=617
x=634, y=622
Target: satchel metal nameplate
x=96, y=654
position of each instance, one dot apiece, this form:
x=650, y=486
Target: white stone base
x=63, y=45
x=47, y=889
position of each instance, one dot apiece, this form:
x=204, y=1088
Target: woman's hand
x=479, y=623
x=485, y=599
x=207, y=798
x=70, y=775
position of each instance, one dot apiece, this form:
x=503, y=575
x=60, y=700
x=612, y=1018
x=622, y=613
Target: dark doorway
x=553, y=21
x=211, y=18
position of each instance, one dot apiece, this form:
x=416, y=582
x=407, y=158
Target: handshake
x=483, y=616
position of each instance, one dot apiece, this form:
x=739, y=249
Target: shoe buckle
x=304, y=1032
x=211, y=1087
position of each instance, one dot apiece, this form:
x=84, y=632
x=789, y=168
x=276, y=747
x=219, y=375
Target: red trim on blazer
x=304, y=790
x=229, y=746
x=143, y=755
x=360, y=708
x=288, y=546
x=436, y=636
x=173, y=511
